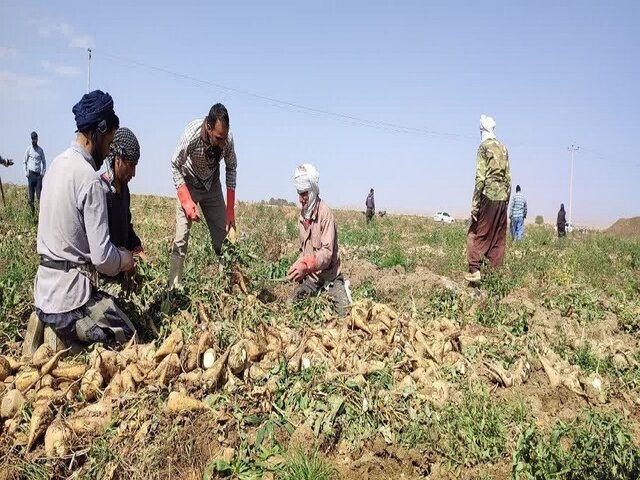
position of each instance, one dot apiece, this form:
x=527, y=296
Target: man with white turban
x=318, y=266
x=488, y=231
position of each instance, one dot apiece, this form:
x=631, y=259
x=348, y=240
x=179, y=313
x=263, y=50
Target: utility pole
x=89, y=70
x=572, y=149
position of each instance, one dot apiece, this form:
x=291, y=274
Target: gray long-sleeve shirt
x=73, y=226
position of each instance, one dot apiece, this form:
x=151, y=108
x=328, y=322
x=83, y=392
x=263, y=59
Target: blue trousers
x=34, y=182
x=517, y=228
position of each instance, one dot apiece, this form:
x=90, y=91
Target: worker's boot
x=474, y=277
x=175, y=271
x=34, y=336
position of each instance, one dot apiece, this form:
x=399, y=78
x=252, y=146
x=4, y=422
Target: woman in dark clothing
x=120, y=169
x=561, y=223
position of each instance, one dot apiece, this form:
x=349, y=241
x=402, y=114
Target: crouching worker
x=121, y=164
x=73, y=236
x=318, y=267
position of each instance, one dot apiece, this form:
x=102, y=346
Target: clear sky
x=551, y=73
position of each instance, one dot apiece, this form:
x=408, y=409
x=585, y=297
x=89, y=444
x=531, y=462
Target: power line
x=349, y=119
x=321, y=113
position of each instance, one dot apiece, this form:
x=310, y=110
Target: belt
x=86, y=269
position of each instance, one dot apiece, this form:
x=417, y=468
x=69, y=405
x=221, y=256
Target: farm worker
x=73, y=235
x=561, y=222
x=370, y=203
x=488, y=231
x=196, y=176
x=121, y=163
x=35, y=166
x=318, y=266
x=517, y=214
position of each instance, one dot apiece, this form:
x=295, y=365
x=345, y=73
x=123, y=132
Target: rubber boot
x=175, y=271
x=34, y=336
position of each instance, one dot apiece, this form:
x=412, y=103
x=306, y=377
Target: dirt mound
x=390, y=283
x=626, y=227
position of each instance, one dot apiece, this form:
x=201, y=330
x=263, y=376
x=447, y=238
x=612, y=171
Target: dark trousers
x=34, y=182
x=370, y=214
x=336, y=291
x=488, y=235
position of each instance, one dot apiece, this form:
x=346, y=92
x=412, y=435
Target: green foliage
x=365, y=289
x=595, y=446
x=497, y=284
x=310, y=311
x=99, y=456
x=582, y=302
x=446, y=302
x=473, y=431
x=493, y=314
x=301, y=466
x=33, y=470
x=238, y=469
x=539, y=220
x=391, y=256
x=359, y=234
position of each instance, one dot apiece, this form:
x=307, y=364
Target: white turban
x=306, y=180
x=487, y=127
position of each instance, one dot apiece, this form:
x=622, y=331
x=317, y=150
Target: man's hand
x=297, y=271
x=188, y=205
x=127, y=262
x=303, y=267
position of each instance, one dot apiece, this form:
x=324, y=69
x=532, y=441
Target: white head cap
x=306, y=179
x=487, y=127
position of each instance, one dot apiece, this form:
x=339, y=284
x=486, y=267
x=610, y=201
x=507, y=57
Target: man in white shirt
x=35, y=166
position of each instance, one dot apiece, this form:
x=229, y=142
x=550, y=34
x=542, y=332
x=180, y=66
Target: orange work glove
x=231, y=208
x=188, y=205
x=302, y=268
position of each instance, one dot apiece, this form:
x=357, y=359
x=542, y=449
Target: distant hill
x=626, y=227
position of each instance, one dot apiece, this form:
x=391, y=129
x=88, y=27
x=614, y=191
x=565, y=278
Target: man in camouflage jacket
x=488, y=231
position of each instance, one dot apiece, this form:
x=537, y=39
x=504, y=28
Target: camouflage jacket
x=493, y=177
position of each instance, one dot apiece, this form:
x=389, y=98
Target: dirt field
x=534, y=374
x=626, y=227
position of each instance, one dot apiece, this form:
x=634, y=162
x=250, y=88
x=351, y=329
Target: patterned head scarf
x=306, y=180
x=487, y=127
x=125, y=145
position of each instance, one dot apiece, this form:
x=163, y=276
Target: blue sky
x=551, y=74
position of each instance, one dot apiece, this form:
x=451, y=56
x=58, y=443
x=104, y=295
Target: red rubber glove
x=302, y=268
x=188, y=205
x=139, y=251
x=231, y=208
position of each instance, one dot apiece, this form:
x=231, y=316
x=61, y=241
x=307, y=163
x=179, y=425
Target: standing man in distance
x=73, y=236
x=35, y=166
x=517, y=214
x=561, y=221
x=196, y=176
x=488, y=231
x=370, y=203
